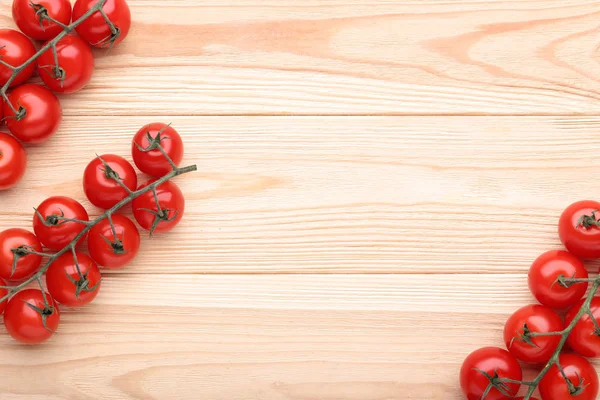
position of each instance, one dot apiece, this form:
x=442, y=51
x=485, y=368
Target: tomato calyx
x=153, y=142
x=495, y=382
x=57, y=219
x=20, y=252
x=587, y=221
x=117, y=245
x=162, y=215
x=82, y=284
x=56, y=72
x=575, y=390
x=45, y=312
x=110, y=40
x=525, y=337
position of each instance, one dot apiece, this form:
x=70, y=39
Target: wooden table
x=375, y=178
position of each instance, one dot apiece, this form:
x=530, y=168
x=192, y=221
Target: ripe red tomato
x=172, y=205
x=544, y=274
x=61, y=233
x=28, y=16
x=13, y=161
x=29, y=319
x=99, y=182
x=111, y=252
x=75, y=65
x=528, y=319
x=15, y=49
x=585, y=338
x=491, y=361
x=67, y=286
x=146, y=155
x=13, y=242
x=581, y=374
x=579, y=229
x=95, y=30
x=3, y=293
x=522, y=397
x=39, y=113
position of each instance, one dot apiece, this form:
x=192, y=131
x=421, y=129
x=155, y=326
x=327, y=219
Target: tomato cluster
x=559, y=281
x=32, y=112
x=62, y=224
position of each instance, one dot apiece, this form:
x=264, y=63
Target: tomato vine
x=16, y=70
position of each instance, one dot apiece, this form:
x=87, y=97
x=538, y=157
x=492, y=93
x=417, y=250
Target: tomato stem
x=88, y=226
x=581, y=386
x=52, y=43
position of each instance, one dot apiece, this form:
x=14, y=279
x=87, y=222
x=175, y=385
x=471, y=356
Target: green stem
x=585, y=309
x=67, y=29
x=88, y=227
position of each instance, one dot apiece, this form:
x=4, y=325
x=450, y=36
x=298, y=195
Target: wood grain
x=288, y=337
x=204, y=57
x=370, y=195
x=374, y=181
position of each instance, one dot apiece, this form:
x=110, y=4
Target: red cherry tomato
x=581, y=374
x=29, y=319
x=146, y=155
x=585, y=338
x=61, y=233
x=15, y=49
x=38, y=113
x=491, y=361
x=111, y=252
x=3, y=293
x=533, y=318
x=100, y=184
x=172, y=205
x=544, y=279
x=75, y=65
x=13, y=161
x=579, y=229
x=28, y=16
x=95, y=30
x=65, y=283
x=521, y=398
x=15, y=242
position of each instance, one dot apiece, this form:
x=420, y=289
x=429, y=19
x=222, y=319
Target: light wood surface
x=375, y=179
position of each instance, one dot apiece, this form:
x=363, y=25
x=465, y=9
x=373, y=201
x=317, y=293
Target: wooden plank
x=193, y=57
x=268, y=337
x=368, y=194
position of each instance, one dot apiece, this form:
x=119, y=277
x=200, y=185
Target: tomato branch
x=584, y=310
x=89, y=225
x=51, y=44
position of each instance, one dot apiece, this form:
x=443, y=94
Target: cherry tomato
x=74, y=69
x=172, y=205
x=38, y=113
x=29, y=319
x=146, y=155
x=111, y=252
x=585, y=338
x=15, y=242
x=61, y=233
x=3, y=293
x=100, y=184
x=29, y=17
x=15, y=49
x=579, y=229
x=522, y=398
x=65, y=283
x=581, y=374
x=95, y=30
x=13, y=161
x=491, y=361
x=533, y=318
x=544, y=279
